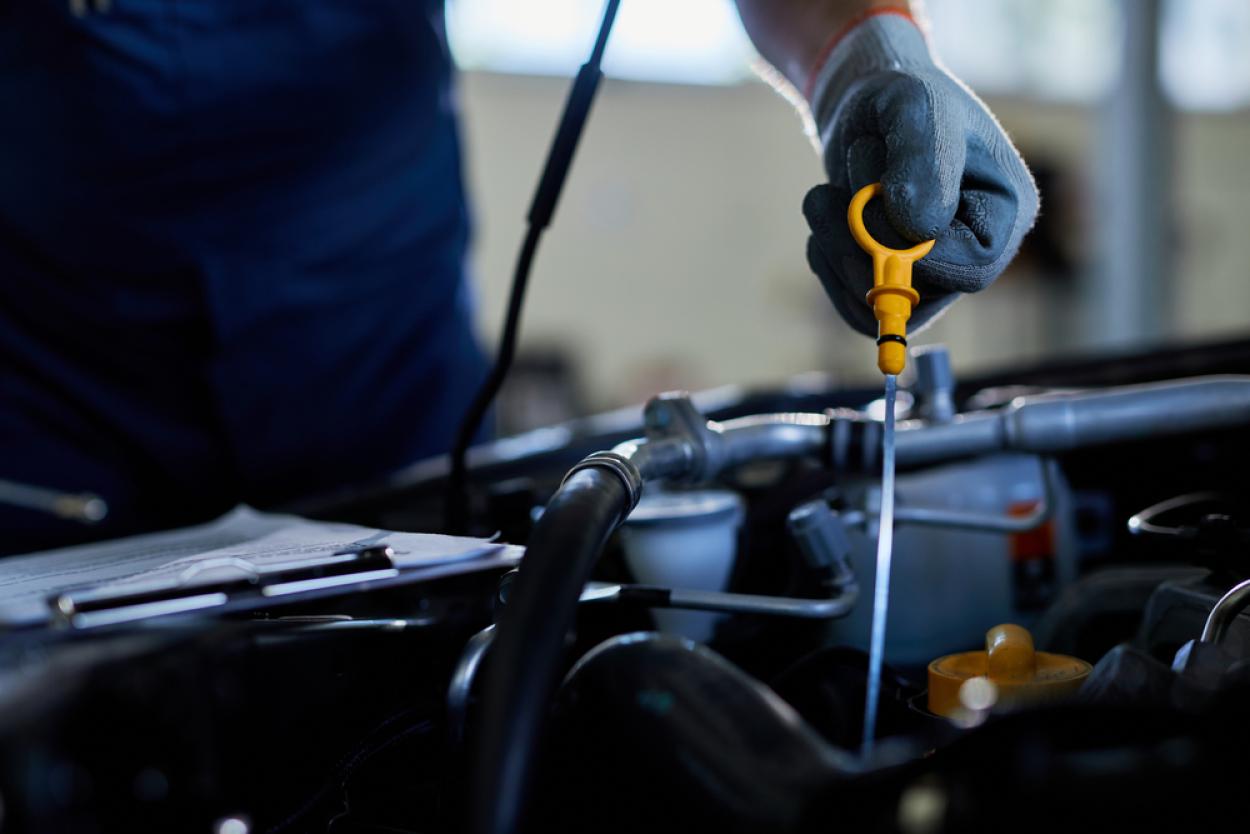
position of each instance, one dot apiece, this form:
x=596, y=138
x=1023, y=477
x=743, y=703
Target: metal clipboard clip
x=92, y=608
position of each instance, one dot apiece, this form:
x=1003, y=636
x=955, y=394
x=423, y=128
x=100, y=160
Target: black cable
x=543, y=207
x=605, y=29
x=457, y=509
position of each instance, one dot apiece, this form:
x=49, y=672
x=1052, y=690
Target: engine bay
x=684, y=644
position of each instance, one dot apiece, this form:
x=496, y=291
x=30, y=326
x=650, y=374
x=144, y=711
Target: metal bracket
x=672, y=416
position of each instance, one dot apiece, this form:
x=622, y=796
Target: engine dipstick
x=892, y=299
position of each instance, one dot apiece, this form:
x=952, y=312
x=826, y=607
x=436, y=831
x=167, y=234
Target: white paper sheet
x=243, y=542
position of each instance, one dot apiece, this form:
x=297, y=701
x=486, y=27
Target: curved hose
x=527, y=659
x=698, y=743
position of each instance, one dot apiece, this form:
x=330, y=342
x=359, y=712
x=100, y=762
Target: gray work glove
x=887, y=112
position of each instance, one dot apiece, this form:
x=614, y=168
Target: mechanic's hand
x=886, y=112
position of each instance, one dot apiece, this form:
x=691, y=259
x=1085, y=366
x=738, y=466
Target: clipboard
x=243, y=561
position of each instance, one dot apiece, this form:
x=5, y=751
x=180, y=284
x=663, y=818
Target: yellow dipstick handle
x=891, y=296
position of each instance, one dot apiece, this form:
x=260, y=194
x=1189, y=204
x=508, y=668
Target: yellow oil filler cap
x=1008, y=673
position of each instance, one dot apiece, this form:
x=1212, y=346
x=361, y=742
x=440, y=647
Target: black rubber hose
x=527, y=659
x=698, y=744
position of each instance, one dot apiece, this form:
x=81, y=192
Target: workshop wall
x=676, y=257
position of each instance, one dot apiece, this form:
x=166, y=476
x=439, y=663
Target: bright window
x=684, y=41
x=1205, y=53
x=1056, y=50
x=1050, y=50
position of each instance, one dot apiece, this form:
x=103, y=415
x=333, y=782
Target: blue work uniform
x=232, y=247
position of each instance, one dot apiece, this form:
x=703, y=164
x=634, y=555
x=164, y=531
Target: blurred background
x=676, y=259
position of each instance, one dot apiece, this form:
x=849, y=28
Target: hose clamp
x=618, y=465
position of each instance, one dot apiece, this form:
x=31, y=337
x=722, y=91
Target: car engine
x=682, y=645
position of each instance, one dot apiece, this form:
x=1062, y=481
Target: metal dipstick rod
x=881, y=586
x=892, y=298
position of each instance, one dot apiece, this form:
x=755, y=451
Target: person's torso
x=248, y=211
x=202, y=139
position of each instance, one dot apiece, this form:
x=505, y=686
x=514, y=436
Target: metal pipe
x=1225, y=612
x=917, y=443
x=773, y=437
x=1051, y=423
x=980, y=522
x=986, y=522
x=1043, y=424
x=809, y=609
x=838, y=605
x=721, y=446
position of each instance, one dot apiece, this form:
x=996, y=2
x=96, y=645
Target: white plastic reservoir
x=684, y=540
x=949, y=586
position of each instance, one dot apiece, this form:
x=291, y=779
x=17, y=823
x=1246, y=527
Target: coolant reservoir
x=684, y=540
x=948, y=586
x=1009, y=673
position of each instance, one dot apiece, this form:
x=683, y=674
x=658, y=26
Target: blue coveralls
x=232, y=243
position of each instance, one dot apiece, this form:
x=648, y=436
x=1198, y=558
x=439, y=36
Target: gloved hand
x=886, y=111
